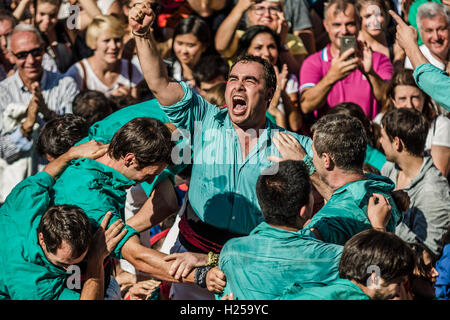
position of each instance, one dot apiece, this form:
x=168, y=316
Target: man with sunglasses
x=28, y=99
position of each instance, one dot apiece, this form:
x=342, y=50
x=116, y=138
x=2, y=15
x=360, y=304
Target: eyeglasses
x=260, y=10
x=36, y=53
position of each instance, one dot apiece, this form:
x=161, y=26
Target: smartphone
x=348, y=42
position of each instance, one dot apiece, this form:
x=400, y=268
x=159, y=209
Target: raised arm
x=227, y=29
x=167, y=92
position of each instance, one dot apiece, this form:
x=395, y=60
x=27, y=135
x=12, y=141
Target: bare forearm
x=151, y=261
x=90, y=7
x=315, y=97
x=155, y=72
x=293, y=114
x=20, y=9
x=307, y=37
x=415, y=55
x=227, y=29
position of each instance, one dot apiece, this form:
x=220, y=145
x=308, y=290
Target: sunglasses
x=36, y=53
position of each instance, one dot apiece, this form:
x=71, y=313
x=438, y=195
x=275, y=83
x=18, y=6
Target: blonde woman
x=105, y=71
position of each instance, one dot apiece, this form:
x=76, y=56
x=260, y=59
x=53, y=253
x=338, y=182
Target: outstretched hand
x=406, y=35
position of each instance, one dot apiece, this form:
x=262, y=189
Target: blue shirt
x=222, y=189
x=345, y=214
x=261, y=265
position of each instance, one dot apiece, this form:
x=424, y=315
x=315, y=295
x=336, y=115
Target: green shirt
x=261, y=265
x=97, y=189
x=104, y=130
x=345, y=214
x=340, y=289
x=25, y=272
x=222, y=189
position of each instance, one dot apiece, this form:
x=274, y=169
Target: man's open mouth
x=239, y=105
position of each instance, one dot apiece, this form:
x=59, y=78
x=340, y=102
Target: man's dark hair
x=58, y=135
x=68, y=223
x=281, y=195
x=7, y=15
x=410, y=126
x=92, y=105
x=385, y=250
x=343, y=137
x=210, y=68
x=148, y=139
x=269, y=72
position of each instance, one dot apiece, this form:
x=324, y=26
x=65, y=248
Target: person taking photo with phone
x=346, y=70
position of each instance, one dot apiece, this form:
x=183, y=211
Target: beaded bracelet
x=200, y=276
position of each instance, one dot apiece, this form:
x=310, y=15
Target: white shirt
x=94, y=83
x=439, y=133
x=426, y=52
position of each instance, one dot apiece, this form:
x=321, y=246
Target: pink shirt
x=353, y=88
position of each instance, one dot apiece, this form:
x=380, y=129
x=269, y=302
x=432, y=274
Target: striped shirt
x=58, y=92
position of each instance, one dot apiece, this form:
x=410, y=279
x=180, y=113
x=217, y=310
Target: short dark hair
x=211, y=67
x=68, y=223
x=148, y=139
x=269, y=72
x=281, y=195
x=371, y=247
x=58, y=135
x=410, y=126
x=92, y=105
x=343, y=137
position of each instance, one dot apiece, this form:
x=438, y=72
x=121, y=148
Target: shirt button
x=233, y=218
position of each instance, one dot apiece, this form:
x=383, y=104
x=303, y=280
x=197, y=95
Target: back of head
x=343, y=137
x=410, y=126
x=92, y=105
x=281, y=195
x=353, y=110
x=7, y=15
x=148, y=139
x=210, y=68
x=58, y=135
x=372, y=249
x=68, y=223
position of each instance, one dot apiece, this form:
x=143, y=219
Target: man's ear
x=398, y=144
x=327, y=161
x=41, y=239
x=129, y=159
